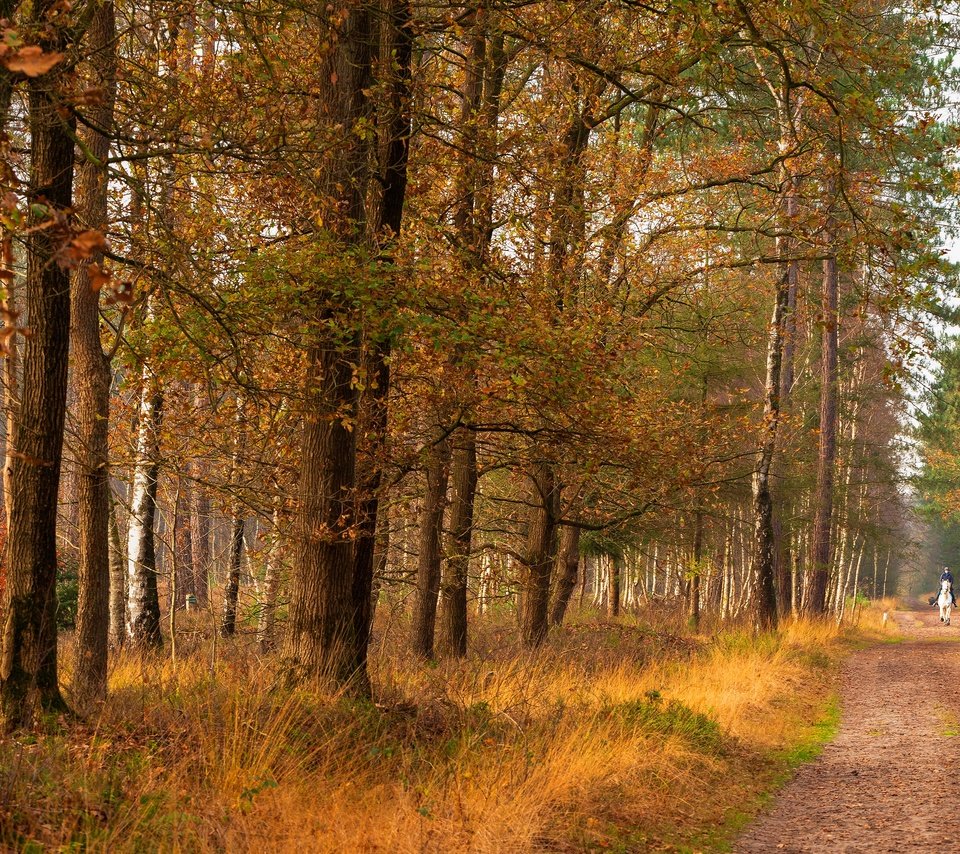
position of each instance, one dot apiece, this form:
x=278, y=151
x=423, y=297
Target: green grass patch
x=949, y=723
x=776, y=770
x=813, y=739
x=653, y=715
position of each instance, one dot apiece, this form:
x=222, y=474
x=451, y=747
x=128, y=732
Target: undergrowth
x=616, y=736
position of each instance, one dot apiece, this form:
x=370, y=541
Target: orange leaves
x=86, y=243
x=98, y=278
x=31, y=61
x=120, y=293
x=9, y=329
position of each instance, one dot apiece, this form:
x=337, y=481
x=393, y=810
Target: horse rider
x=946, y=575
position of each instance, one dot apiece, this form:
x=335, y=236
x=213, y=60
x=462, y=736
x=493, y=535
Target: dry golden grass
x=614, y=736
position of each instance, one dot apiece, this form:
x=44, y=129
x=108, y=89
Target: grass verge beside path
x=616, y=737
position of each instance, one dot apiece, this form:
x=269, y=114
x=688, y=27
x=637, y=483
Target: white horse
x=945, y=601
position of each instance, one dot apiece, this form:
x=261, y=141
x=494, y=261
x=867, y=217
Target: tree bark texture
x=231, y=591
x=91, y=372
x=431, y=548
x=464, y=489
x=323, y=639
x=28, y=652
x=615, y=566
x=540, y=551
x=568, y=565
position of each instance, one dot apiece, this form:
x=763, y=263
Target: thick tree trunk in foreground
x=396, y=53
x=28, y=656
x=568, y=565
x=92, y=382
x=464, y=477
x=322, y=636
x=540, y=552
x=143, y=601
x=431, y=548
x=827, y=449
x=321, y=629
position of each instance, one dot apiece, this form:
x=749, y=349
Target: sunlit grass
x=615, y=733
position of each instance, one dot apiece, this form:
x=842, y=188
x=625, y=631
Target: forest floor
x=887, y=782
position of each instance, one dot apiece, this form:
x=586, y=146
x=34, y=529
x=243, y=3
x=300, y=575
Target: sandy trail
x=887, y=782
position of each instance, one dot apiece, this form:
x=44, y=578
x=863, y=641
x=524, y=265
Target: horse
x=945, y=601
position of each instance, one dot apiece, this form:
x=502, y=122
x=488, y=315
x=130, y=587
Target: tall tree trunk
x=886, y=569
x=615, y=565
x=183, y=538
x=271, y=586
x=231, y=592
x=118, y=583
x=764, y=600
x=8, y=306
x=693, y=605
x=540, y=551
x=827, y=450
x=782, y=509
x=92, y=382
x=396, y=54
x=431, y=546
x=464, y=477
x=568, y=565
x=322, y=637
x=28, y=651
x=143, y=601
x=11, y=384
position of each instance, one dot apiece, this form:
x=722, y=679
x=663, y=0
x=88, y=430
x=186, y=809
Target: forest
x=444, y=426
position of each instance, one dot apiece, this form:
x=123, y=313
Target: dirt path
x=888, y=783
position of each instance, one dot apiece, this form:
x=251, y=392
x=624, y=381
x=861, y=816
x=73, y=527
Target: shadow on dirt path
x=887, y=782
